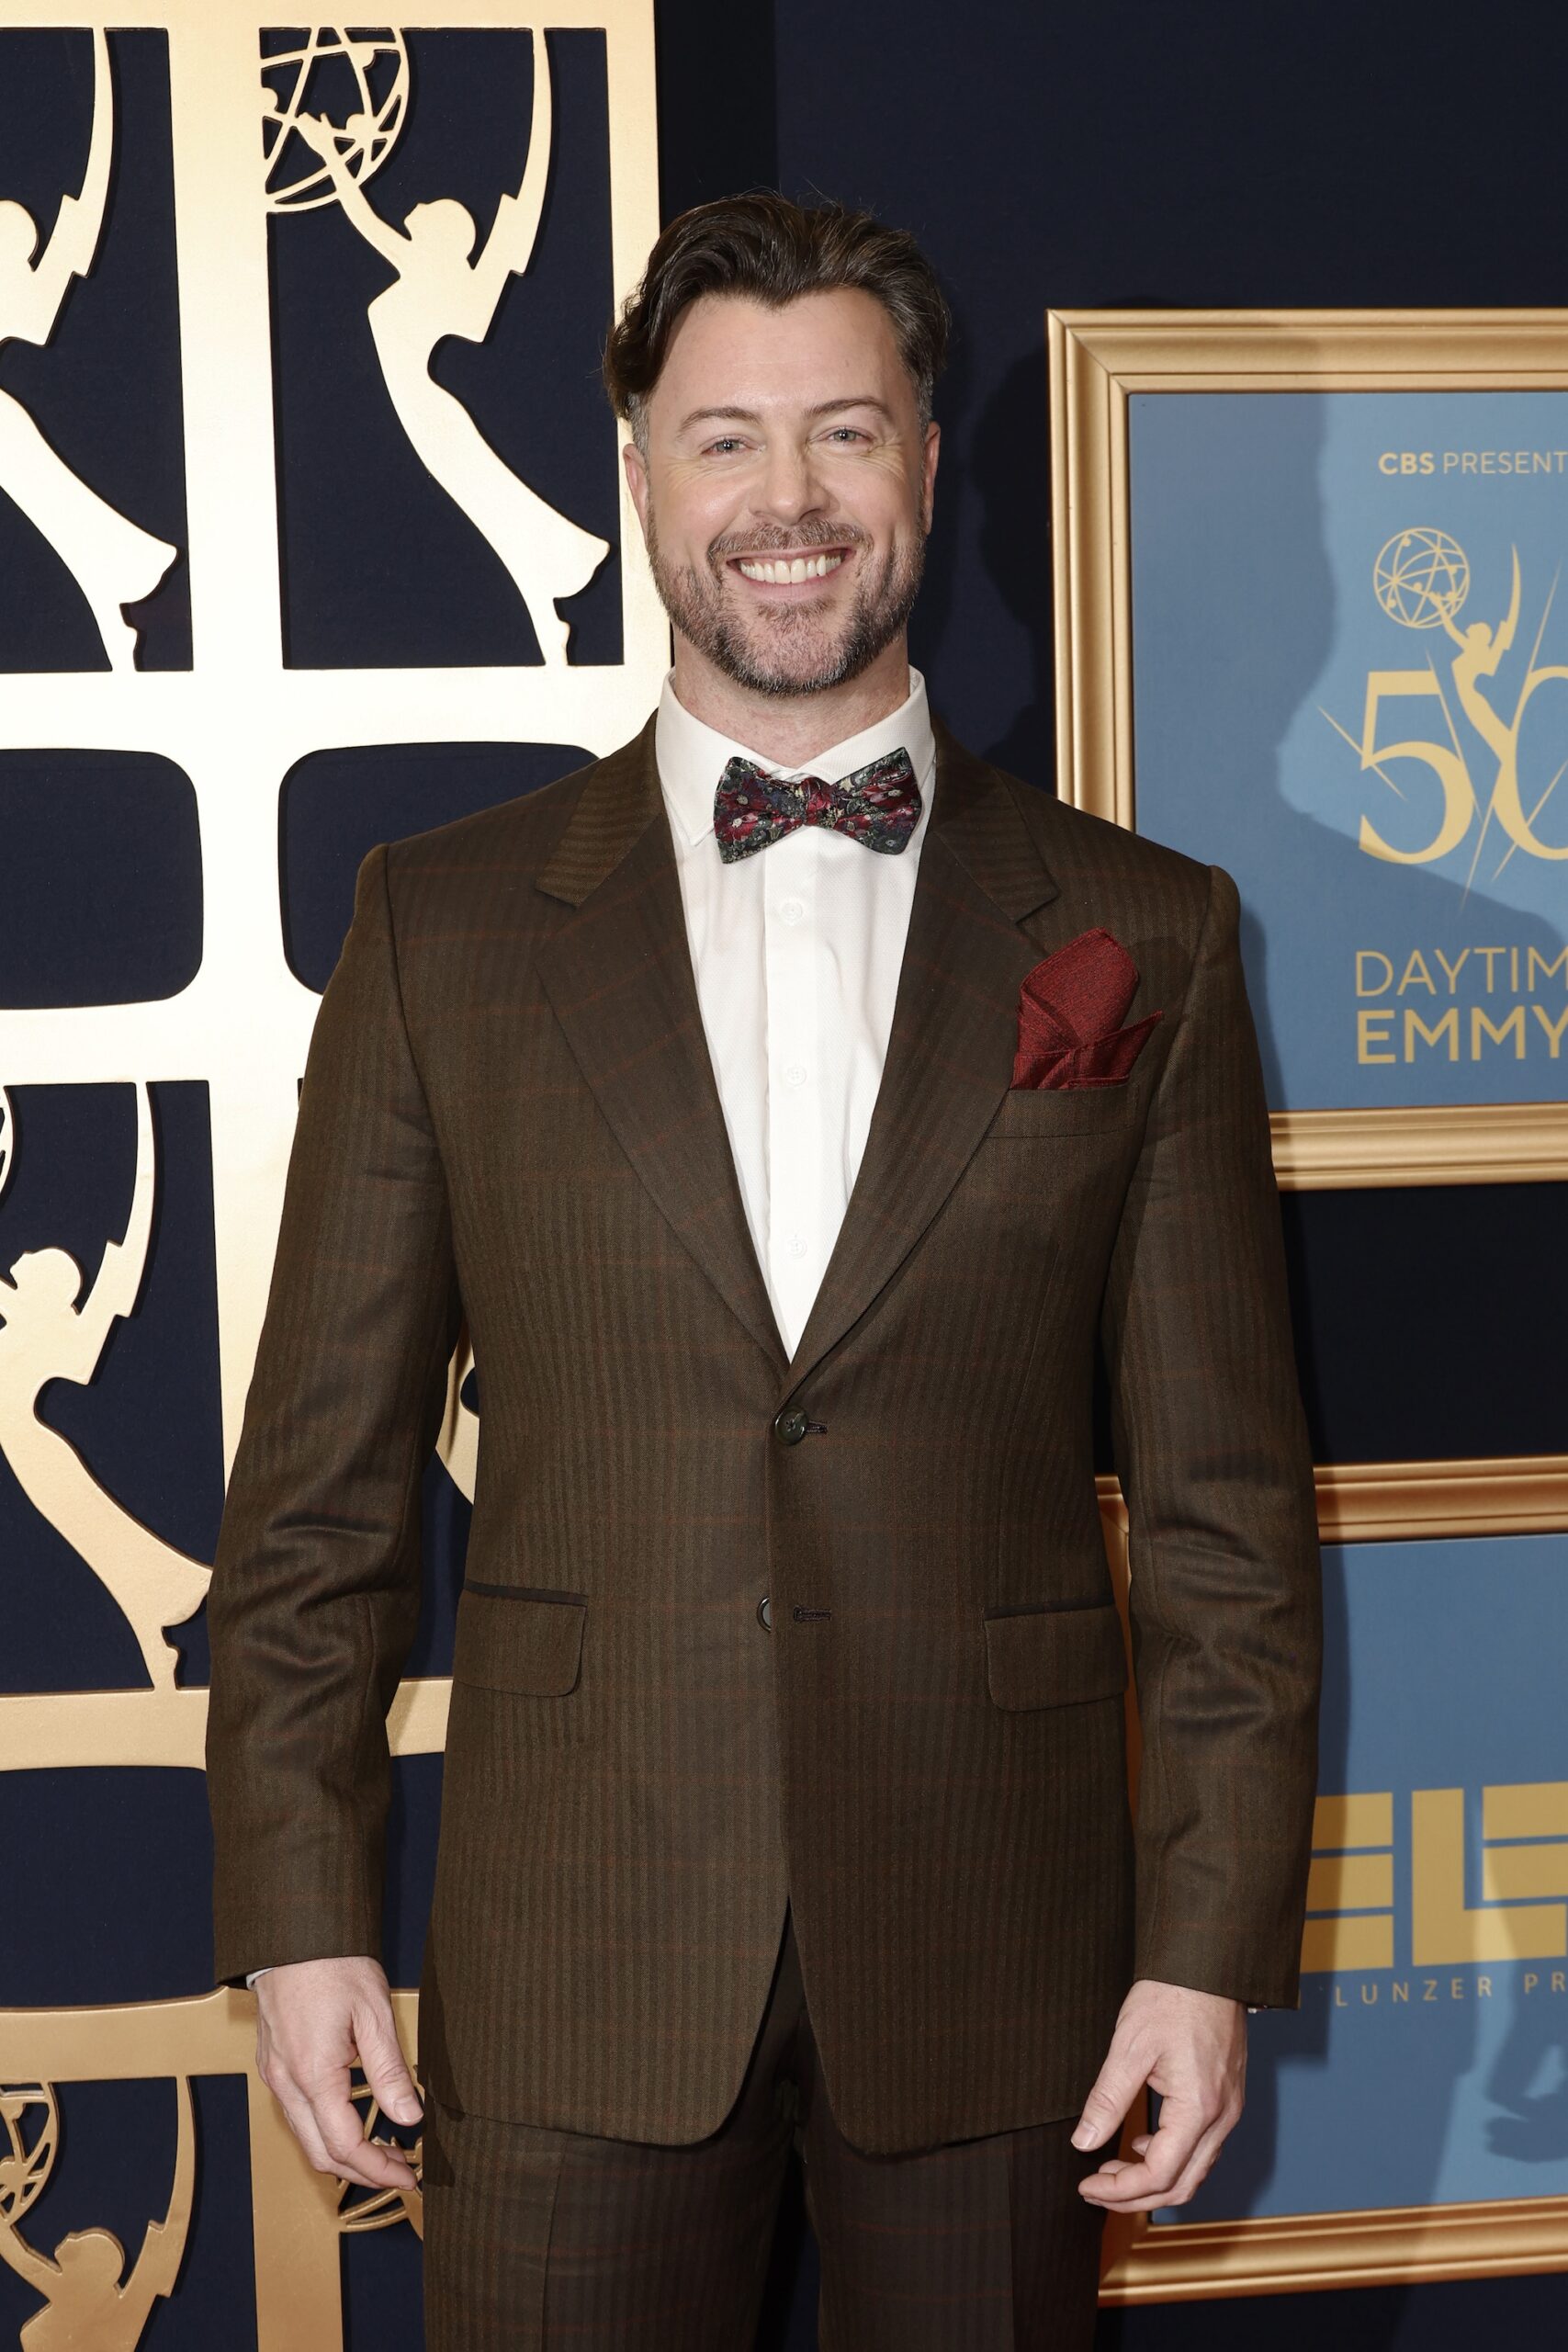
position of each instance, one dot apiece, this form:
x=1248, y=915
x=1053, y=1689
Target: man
x=790, y=1102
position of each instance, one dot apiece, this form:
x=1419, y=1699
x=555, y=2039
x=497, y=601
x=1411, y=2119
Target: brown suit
x=509, y=1110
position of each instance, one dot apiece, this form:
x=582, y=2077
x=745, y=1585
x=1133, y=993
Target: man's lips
x=787, y=573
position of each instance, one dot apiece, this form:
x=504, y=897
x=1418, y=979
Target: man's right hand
x=317, y=2019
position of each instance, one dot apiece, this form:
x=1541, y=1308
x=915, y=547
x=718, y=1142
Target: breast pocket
x=519, y=1637
x=1048, y=1111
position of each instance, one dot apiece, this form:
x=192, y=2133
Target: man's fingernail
x=1084, y=2136
x=407, y=2111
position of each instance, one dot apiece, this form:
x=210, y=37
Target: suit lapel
x=949, y=1049
x=619, y=976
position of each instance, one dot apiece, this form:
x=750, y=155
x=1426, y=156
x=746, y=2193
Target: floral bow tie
x=879, y=805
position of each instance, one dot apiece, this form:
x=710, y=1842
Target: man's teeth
x=789, y=569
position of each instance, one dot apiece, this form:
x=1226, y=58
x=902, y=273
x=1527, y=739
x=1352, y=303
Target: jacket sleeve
x=1215, y=1464
x=315, y=1590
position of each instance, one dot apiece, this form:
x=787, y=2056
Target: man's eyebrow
x=750, y=415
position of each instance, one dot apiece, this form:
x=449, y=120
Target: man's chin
x=787, y=661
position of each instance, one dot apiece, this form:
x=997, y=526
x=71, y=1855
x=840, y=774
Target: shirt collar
x=691, y=756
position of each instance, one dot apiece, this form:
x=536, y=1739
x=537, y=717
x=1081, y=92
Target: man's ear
x=637, y=481
x=929, y=455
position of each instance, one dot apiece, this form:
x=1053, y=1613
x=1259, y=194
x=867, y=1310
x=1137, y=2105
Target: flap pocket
x=1047, y=1657
x=518, y=1637
x=1062, y=1110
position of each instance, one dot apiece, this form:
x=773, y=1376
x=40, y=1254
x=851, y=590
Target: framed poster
x=1308, y=627
x=1410, y=2118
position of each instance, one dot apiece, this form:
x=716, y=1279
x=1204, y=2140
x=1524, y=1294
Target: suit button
x=789, y=1426
x=764, y=1614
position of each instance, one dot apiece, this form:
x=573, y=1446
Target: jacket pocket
x=1050, y=1658
x=519, y=1637
x=1048, y=1111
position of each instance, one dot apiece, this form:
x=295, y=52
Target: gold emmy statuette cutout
x=89, y=2304
x=443, y=288
x=111, y=558
x=235, y=724
x=45, y=1336
x=1421, y=580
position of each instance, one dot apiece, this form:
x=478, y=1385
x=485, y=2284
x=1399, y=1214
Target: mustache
x=775, y=540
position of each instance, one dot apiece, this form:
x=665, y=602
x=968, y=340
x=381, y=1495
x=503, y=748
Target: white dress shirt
x=796, y=950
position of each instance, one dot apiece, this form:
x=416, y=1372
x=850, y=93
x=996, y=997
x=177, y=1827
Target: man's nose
x=789, y=487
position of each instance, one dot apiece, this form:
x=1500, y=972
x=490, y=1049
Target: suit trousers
x=536, y=2240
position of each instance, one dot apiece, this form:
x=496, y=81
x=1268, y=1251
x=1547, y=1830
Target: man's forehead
x=774, y=351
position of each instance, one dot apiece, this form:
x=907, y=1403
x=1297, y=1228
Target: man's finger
x=386, y=2069
x=1116, y=2087
x=1161, y=2165
x=1195, y=2173
x=1176, y=2159
x=350, y=2155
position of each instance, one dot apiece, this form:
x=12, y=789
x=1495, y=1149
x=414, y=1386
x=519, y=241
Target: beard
x=793, y=649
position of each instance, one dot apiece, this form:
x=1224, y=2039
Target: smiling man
x=790, y=1104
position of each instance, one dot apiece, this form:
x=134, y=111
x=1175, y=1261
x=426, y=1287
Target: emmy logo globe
x=358, y=80
x=1421, y=578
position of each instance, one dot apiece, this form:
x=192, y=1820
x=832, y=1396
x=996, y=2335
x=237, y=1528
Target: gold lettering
x=1400, y=1989
x=1484, y=1986
x=1497, y=1032
x=1536, y=957
x=1407, y=979
x=1489, y=953
x=1443, y=1927
x=1453, y=971
x=1531, y=1980
x=1448, y=1025
x=1375, y=955
x=1554, y=1029
x=1367, y=1037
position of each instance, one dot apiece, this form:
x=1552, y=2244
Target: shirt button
x=796, y=1246
x=764, y=1614
x=790, y=909
x=789, y=1424
x=796, y=1073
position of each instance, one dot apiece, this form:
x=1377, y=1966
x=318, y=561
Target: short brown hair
x=762, y=245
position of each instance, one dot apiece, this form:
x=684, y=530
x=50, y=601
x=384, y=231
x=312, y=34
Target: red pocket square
x=1069, y=1006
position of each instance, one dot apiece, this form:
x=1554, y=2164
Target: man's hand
x=1191, y=2047
x=315, y=2019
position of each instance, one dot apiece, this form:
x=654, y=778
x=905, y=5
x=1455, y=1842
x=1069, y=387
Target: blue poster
x=1428, y=2064
x=1350, y=689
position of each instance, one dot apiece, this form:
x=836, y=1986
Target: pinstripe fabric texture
x=509, y=1112
x=536, y=2240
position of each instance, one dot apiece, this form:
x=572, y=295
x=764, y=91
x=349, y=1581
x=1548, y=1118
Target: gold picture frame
x=1098, y=360
x=1291, y=2254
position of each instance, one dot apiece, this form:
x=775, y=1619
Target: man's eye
x=846, y=432
x=728, y=441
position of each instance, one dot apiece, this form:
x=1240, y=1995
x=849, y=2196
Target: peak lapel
x=950, y=1050
x=619, y=976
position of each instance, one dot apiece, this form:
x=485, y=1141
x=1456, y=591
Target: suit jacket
x=509, y=1112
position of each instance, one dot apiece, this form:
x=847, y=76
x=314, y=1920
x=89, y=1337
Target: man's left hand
x=1191, y=2047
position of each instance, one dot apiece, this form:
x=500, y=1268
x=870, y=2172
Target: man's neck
x=790, y=730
